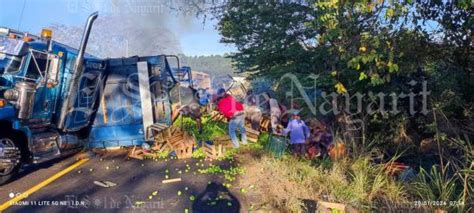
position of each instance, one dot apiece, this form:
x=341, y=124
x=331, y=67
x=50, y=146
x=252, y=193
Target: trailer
x=55, y=100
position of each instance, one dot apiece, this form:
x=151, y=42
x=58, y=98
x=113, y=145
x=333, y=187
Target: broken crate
x=216, y=116
x=252, y=135
x=218, y=147
x=167, y=139
x=265, y=124
x=158, y=132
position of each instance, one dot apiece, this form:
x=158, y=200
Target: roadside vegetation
x=368, y=47
x=290, y=183
x=359, y=182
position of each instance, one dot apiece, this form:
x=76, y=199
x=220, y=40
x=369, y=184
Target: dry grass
x=283, y=183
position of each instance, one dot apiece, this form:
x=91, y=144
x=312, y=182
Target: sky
x=195, y=38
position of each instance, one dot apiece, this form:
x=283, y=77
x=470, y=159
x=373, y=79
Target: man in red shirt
x=234, y=112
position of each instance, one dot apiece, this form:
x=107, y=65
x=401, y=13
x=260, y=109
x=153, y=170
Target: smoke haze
x=132, y=27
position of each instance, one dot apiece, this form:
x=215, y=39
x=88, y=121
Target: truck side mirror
x=53, y=71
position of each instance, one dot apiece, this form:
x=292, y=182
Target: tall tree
x=362, y=46
x=353, y=41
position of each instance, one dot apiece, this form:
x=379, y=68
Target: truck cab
x=35, y=75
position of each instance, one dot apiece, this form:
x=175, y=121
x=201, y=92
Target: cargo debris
x=171, y=180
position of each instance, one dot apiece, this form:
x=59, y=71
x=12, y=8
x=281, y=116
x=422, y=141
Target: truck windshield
x=9, y=64
x=11, y=54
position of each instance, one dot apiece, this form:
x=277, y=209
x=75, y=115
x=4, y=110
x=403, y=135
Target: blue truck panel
x=116, y=135
x=118, y=121
x=7, y=112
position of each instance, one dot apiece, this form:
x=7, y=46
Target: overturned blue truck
x=55, y=100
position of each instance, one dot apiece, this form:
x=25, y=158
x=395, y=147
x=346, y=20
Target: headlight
x=11, y=94
x=22, y=96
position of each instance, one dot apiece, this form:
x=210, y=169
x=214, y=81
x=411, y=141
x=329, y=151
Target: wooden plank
x=252, y=139
x=216, y=116
x=329, y=205
x=210, y=151
x=208, y=147
x=220, y=150
x=184, y=153
x=162, y=126
x=158, y=127
x=252, y=135
x=158, y=131
x=214, y=151
x=171, y=180
x=176, y=135
x=136, y=153
x=161, y=147
x=160, y=138
x=222, y=140
x=174, y=130
x=175, y=140
x=265, y=124
x=175, y=144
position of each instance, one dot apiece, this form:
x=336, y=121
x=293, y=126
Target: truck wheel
x=10, y=159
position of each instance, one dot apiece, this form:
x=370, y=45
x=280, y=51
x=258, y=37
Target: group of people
x=305, y=140
x=308, y=141
x=226, y=104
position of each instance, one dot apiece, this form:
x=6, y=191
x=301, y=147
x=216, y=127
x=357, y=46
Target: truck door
x=39, y=65
x=87, y=95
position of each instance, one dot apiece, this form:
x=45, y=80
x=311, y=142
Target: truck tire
x=9, y=172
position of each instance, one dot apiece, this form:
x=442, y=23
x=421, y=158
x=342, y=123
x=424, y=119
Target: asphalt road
x=139, y=187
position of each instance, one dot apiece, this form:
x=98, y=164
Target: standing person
x=234, y=112
x=193, y=111
x=251, y=98
x=299, y=133
x=324, y=138
x=191, y=108
x=252, y=111
x=320, y=139
x=204, y=98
